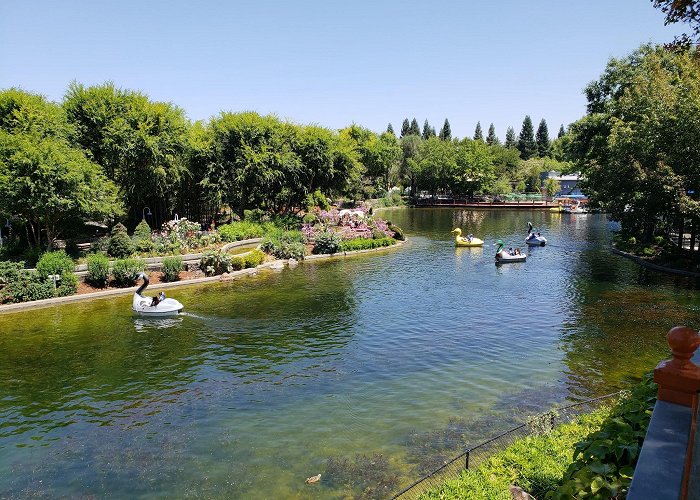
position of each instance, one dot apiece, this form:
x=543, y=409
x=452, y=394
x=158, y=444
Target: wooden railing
x=668, y=464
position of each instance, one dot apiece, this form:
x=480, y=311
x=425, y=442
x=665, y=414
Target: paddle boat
x=469, y=241
x=504, y=257
x=154, y=307
x=575, y=208
x=534, y=240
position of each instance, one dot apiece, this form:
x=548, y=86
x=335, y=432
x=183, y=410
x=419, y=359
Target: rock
x=313, y=479
x=293, y=262
x=519, y=494
x=278, y=264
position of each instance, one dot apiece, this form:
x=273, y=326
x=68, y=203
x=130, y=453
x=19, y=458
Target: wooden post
x=679, y=383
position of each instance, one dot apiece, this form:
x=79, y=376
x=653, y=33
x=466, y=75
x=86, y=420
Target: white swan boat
x=154, y=307
x=576, y=208
x=534, y=240
x=503, y=257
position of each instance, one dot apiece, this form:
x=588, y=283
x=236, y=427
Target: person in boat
x=470, y=237
x=539, y=235
x=517, y=251
x=157, y=299
x=510, y=250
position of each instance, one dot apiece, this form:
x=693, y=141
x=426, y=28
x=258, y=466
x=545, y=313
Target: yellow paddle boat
x=469, y=241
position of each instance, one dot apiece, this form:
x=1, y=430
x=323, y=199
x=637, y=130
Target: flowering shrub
x=215, y=262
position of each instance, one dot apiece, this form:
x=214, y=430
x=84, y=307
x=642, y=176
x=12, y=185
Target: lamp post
x=144, y=213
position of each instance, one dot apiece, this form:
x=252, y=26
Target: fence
x=474, y=456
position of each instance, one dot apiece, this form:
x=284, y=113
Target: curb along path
x=275, y=264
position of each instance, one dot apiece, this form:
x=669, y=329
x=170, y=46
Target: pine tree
x=478, y=136
x=390, y=130
x=432, y=132
x=426, y=130
x=542, y=139
x=526, y=140
x=562, y=132
x=415, y=129
x=445, y=132
x=405, y=128
x=492, y=139
x=510, y=138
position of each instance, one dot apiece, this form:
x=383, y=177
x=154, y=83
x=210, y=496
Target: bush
x=97, y=269
x=327, y=242
x=243, y=230
x=119, y=243
x=215, y=262
x=9, y=272
x=398, y=232
x=54, y=263
x=142, y=237
x=237, y=263
x=365, y=243
x=125, y=271
x=21, y=285
x=309, y=218
x=68, y=284
x=254, y=258
x=284, y=244
x=171, y=268
x=317, y=199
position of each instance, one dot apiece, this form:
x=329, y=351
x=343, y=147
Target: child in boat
x=469, y=237
x=157, y=299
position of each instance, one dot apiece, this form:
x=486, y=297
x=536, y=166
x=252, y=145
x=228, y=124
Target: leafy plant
x=327, y=242
x=125, y=271
x=171, y=268
x=67, y=285
x=366, y=244
x=119, y=242
x=254, y=258
x=243, y=230
x=57, y=262
x=98, y=269
x=142, y=237
x=398, y=232
x=215, y=262
x=21, y=285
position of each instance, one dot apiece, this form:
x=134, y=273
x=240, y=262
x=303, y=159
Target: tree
x=410, y=146
x=542, y=139
x=478, y=136
x=445, y=131
x=511, y=142
x=491, y=138
x=474, y=170
x=552, y=187
x=428, y=131
x=687, y=11
x=561, y=131
x=526, y=140
x=414, y=129
x=390, y=130
x=435, y=164
x=405, y=128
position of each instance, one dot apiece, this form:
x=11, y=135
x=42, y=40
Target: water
x=370, y=370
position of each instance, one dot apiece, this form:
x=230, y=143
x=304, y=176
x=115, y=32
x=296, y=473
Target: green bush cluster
x=119, y=242
x=97, y=269
x=317, y=199
x=398, y=232
x=243, y=230
x=392, y=199
x=125, y=271
x=366, y=244
x=215, y=262
x=327, y=242
x=58, y=263
x=251, y=259
x=143, y=242
x=171, y=268
x=21, y=285
x=284, y=244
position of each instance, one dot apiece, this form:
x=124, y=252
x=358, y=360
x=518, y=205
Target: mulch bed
x=154, y=278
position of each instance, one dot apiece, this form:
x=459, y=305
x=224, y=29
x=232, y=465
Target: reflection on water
x=398, y=360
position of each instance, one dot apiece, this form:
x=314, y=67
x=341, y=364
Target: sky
x=332, y=63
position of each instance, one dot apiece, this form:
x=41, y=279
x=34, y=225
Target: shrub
x=398, y=232
x=215, y=262
x=119, y=243
x=327, y=242
x=255, y=215
x=237, y=263
x=98, y=269
x=317, y=199
x=142, y=237
x=310, y=218
x=125, y=271
x=68, y=284
x=284, y=244
x=28, y=286
x=10, y=271
x=243, y=230
x=54, y=263
x=365, y=243
x=171, y=268
x=254, y=258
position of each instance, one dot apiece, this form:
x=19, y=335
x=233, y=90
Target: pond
x=370, y=370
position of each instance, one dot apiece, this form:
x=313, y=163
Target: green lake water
x=370, y=370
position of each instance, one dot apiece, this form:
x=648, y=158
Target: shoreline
x=221, y=278
x=654, y=267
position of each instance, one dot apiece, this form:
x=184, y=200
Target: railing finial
x=679, y=378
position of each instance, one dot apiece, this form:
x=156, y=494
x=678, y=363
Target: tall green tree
x=542, y=139
x=491, y=138
x=561, y=131
x=511, y=141
x=390, y=130
x=526, y=140
x=445, y=131
x=474, y=170
x=405, y=128
x=410, y=146
x=428, y=131
x=686, y=11
x=414, y=129
x=478, y=136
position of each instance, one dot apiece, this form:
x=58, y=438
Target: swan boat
x=148, y=306
x=576, y=208
x=503, y=257
x=466, y=242
x=534, y=240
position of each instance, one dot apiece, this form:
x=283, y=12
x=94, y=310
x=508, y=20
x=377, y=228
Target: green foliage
x=393, y=199
x=120, y=244
x=398, y=232
x=254, y=258
x=98, y=269
x=142, y=237
x=511, y=142
x=125, y=271
x=491, y=138
x=67, y=285
x=237, y=263
x=604, y=461
x=215, y=262
x=327, y=242
x=284, y=245
x=478, y=135
x=366, y=244
x=317, y=199
x=21, y=285
x=171, y=268
x=526, y=140
x=57, y=262
x=542, y=139
x=243, y=230
x=445, y=131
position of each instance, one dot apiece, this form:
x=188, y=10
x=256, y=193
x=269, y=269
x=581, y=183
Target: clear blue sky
x=331, y=62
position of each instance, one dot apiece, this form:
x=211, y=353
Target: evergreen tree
x=445, y=132
x=542, y=139
x=478, y=136
x=526, y=140
x=491, y=139
x=415, y=129
x=562, y=132
x=510, y=138
x=432, y=132
x=405, y=128
x=390, y=130
x=426, y=130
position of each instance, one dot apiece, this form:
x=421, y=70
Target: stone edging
x=644, y=263
x=275, y=264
